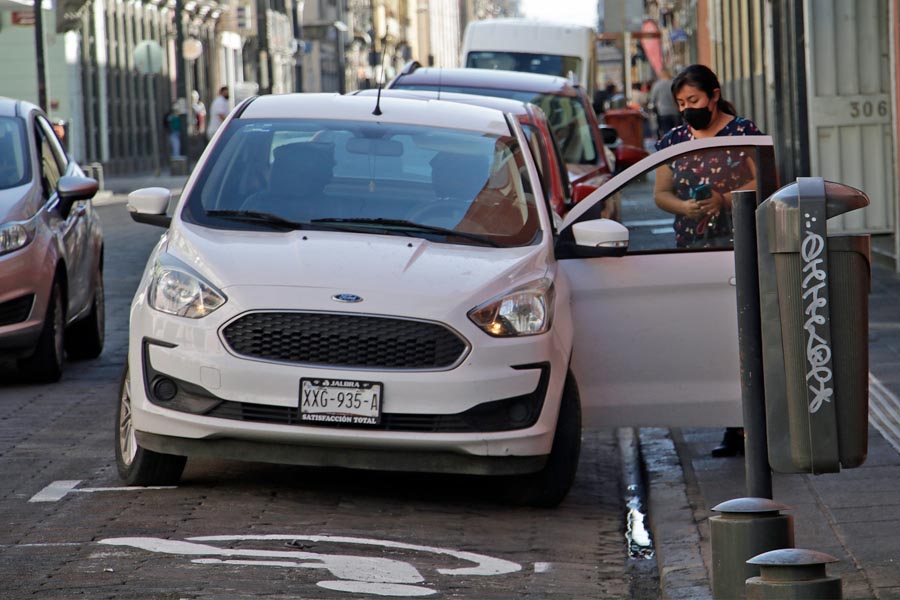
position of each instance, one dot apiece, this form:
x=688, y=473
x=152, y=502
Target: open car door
x=656, y=328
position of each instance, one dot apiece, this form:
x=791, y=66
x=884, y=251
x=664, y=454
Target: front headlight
x=177, y=292
x=526, y=310
x=15, y=236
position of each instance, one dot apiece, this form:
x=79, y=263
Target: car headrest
x=459, y=176
x=301, y=168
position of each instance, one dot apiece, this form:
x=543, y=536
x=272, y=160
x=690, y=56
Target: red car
x=547, y=155
x=566, y=105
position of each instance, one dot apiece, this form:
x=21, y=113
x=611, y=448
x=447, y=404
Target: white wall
x=18, y=68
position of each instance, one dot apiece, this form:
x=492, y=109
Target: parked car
x=544, y=149
x=566, y=105
x=51, y=248
x=388, y=296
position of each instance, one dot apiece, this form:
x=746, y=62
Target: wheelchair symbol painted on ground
x=346, y=572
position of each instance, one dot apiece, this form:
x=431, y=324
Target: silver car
x=51, y=249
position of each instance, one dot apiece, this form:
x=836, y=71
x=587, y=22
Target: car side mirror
x=595, y=238
x=149, y=205
x=581, y=191
x=609, y=134
x=71, y=189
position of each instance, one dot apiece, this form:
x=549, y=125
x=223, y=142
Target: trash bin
x=814, y=307
x=629, y=123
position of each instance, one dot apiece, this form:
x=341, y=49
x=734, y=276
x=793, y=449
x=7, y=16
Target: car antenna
x=377, y=110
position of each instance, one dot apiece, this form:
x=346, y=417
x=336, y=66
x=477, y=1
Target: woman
x=697, y=188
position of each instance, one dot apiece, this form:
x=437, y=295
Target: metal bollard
x=793, y=574
x=746, y=528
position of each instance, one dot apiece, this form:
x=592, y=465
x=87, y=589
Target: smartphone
x=702, y=192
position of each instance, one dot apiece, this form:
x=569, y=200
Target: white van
x=533, y=47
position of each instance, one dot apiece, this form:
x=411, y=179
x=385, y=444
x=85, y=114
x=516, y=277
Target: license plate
x=338, y=401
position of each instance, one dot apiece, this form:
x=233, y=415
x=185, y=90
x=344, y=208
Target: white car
x=380, y=285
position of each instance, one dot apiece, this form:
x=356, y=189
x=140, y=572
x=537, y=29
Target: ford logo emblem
x=350, y=298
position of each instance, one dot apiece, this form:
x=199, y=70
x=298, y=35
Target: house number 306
x=868, y=108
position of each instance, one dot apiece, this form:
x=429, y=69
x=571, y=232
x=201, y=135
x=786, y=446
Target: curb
x=676, y=535
x=105, y=198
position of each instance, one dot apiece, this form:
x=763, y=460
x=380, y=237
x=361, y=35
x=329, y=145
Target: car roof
x=485, y=78
x=405, y=111
x=507, y=105
x=9, y=106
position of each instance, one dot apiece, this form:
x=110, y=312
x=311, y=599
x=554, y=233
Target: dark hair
x=702, y=78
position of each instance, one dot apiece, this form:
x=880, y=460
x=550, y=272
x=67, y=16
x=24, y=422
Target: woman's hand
x=693, y=209
x=712, y=206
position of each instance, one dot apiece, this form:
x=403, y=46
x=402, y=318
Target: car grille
x=343, y=340
x=16, y=310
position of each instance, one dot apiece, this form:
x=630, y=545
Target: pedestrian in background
x=174, y=122
x=218, y=110
x=601, y=98
x=663, y=103
x=199, y=110
x=700, y=218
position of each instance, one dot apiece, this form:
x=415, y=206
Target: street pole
x=180, y=76
x=39, y=54
x=746, y=264
x=264, y=61
x=342, y=68
x=296, y=21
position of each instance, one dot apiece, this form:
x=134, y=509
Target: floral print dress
x=722, y=170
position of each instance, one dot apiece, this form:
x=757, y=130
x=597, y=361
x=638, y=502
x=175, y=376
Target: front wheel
x=549, y=486
x=46, y=363
x=136, y=465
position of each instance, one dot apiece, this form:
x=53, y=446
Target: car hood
x=354, y=262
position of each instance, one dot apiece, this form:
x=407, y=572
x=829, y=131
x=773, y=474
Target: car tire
x=136, y=465
x=46, y=362
x=85, y=338
x=549, y=486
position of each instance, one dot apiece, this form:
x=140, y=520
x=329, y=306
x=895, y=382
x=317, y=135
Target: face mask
x=698, y=118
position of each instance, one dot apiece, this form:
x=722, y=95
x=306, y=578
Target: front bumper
x=25, y=279
x=457, y=420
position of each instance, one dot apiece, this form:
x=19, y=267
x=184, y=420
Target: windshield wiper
x=254, y=216
x=413, y=226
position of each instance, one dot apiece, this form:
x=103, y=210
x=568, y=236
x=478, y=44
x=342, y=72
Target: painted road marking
x=543, y=567
x=884, y=411
x=355, y=574
x=59, y=489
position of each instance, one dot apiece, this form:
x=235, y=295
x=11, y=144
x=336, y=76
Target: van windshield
x=566, y=114
x=544, y=64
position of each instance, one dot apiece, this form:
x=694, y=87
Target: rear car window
x=566, y=115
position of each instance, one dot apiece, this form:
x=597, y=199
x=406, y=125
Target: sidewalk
x=122, y=185
x=853, y=515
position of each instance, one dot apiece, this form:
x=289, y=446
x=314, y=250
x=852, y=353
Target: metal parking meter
x=814, y=308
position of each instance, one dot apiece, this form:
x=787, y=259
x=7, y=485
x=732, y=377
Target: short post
x=745, y=528
x=793, y=574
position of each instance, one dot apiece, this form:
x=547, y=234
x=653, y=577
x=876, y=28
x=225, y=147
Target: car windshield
x=544, y=64
x=14, y=164
x=448, y=185
x=566, y=115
